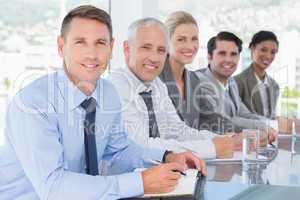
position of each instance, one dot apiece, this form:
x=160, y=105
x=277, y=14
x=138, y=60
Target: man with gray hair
x=148, y=113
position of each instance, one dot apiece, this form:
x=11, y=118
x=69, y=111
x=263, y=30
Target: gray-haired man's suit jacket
x=250, y=95
x=240, y=116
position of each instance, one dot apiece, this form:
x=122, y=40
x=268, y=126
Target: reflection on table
x=283, y=170
x=278, y=179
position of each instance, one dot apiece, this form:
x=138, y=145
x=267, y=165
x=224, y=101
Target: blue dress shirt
x=43, y=156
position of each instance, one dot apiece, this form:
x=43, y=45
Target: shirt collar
x=224, y=87
x=264, y=81
x=72, y=94
x=137, y=83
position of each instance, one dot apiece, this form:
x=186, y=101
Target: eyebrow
x=181, y=36
x=102, y=40
x=99, y=39
x=146, y=44
x=78, y=38
x=224, y=52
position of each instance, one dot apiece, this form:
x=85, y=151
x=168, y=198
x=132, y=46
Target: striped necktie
x=153, y=128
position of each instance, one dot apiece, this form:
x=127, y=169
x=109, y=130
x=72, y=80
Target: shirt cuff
x=154, y=154
x=212, y=153
x=130, y=184
x=207, y=150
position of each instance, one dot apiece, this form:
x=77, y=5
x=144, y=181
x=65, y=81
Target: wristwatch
x=165, y=155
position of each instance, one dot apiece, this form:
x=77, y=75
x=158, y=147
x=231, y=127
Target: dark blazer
x=197, y=109
x=250, y=95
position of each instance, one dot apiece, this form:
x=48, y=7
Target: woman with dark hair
x=258, y=91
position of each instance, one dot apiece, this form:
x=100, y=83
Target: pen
x=155, y=162
x=272, y=145
x=182, y=173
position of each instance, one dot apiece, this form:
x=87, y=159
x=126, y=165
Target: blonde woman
x=184, y=85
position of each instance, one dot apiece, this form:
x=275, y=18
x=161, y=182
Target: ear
x=252, y=50
x=111, y=44
x=126, y=51
x=209, y=58
x=60, y=45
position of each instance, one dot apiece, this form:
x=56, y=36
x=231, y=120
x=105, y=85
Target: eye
x=273, y=52
x=195, y=39
x=162, y=50
x=222, y=53
x=79, y=42
x=181, y=39
x=234, y=54
x=145, y=47
x=264, y=50
x=101, y=42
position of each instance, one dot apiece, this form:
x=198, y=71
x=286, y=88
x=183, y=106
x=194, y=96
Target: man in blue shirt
x=55, y=139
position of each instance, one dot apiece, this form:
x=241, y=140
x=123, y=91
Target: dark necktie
x=89, y=106
x=229, y=104
x=153, y=128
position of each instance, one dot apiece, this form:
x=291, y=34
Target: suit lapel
x=209, y=74
x=220, y=94
x=234, y=96
x=254, y=92
x=167, y=78
x=272, y=99
x=188, y=84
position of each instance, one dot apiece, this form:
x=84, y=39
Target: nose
x=269, y=55
x=192, y=44
x=90, y=52
x=228, y=59
x=154, y=56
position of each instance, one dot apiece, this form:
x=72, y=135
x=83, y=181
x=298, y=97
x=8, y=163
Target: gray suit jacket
x=241, y=117
x=250, y=95
x=197, y=110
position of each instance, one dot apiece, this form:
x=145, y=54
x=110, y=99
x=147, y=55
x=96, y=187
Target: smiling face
x=146, y=52
x=85, y=49
x=184, y=43
x=264, y=53
x=224, y=59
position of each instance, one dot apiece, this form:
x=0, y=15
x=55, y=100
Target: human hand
x=162, y=178
x=224, y=146
x=272, y=134
x=238, y=141
x=189, y=160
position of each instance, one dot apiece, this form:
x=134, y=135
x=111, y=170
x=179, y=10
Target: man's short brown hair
x=86, y=12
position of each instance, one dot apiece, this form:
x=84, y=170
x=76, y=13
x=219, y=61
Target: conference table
x=276, y=179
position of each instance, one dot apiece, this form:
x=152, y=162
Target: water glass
x=250, y=144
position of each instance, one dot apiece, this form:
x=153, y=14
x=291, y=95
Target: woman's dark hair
x=263, y=36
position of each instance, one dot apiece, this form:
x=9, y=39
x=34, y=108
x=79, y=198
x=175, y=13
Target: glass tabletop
x=283, y=170
x=275, y=180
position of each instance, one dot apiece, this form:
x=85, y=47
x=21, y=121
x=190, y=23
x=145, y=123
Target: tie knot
x=146, y=94
x=89, y=104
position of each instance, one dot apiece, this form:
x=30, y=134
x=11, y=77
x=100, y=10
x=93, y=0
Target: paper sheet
x=186, y=185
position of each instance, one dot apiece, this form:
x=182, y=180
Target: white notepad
x=186, y=185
